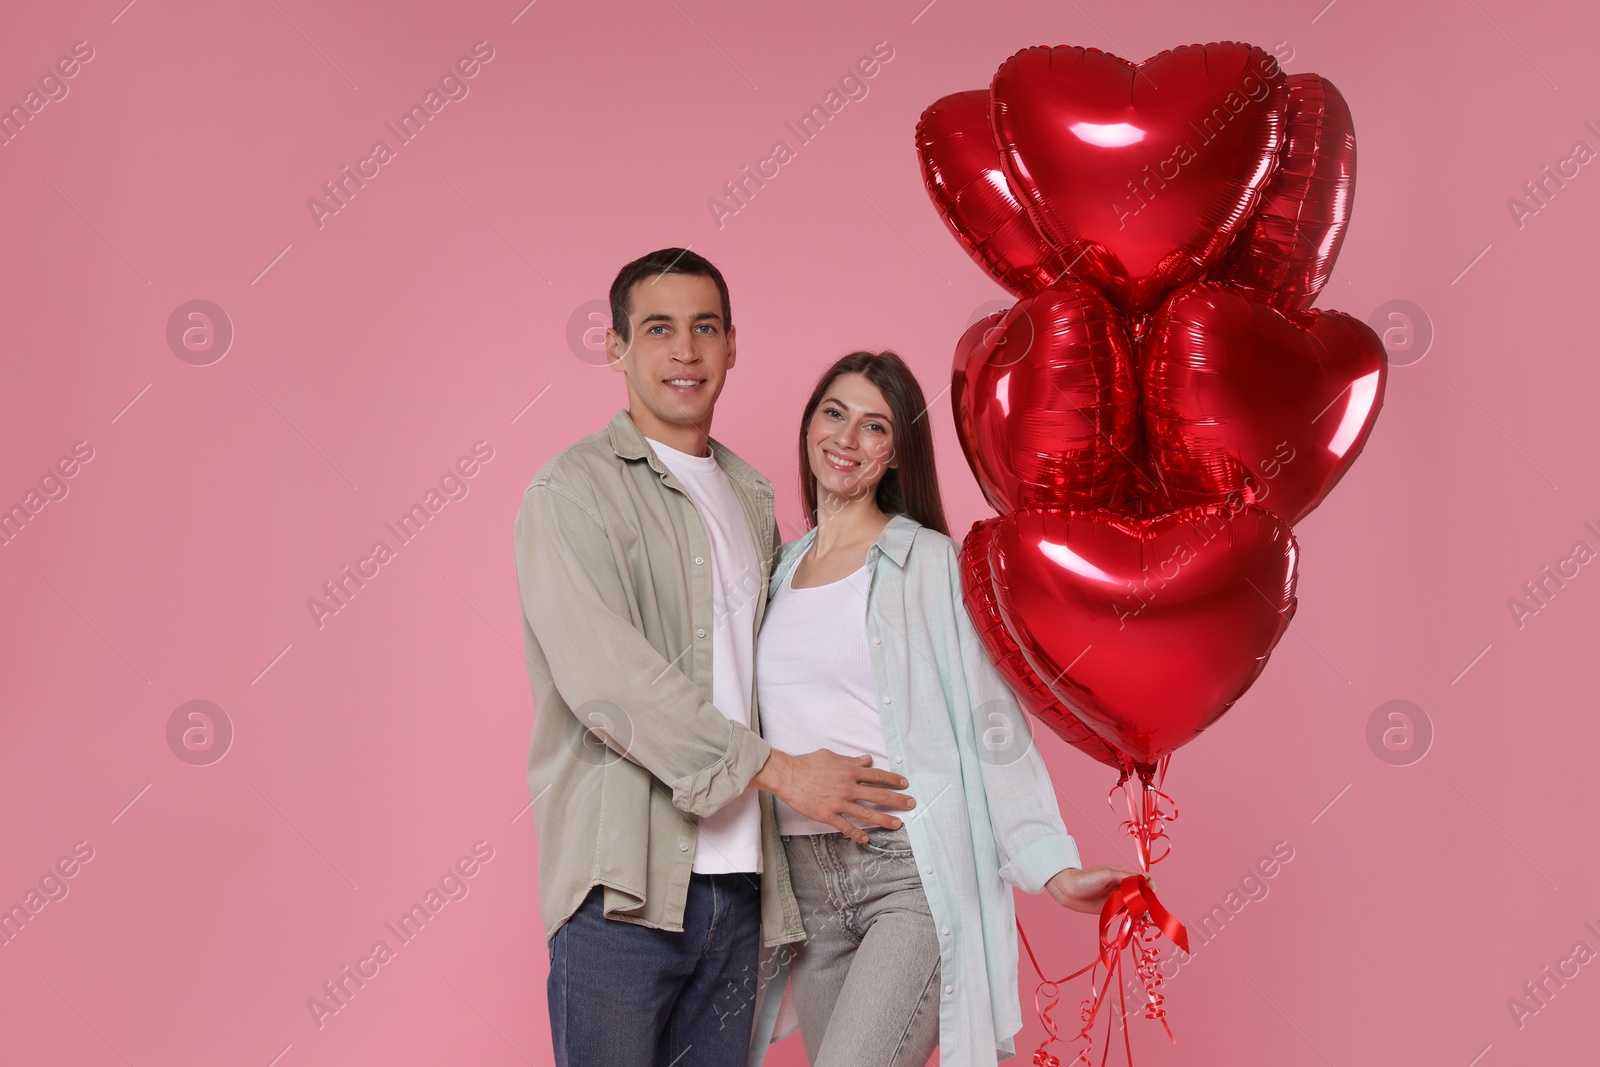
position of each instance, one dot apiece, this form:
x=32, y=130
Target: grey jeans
x=866, y=979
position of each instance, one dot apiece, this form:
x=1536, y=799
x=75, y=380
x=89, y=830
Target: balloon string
x=1132, y=919
x=1146, y=815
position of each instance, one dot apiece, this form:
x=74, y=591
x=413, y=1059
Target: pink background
x=370, y=753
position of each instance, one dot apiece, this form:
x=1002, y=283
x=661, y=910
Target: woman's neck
x=843, y=523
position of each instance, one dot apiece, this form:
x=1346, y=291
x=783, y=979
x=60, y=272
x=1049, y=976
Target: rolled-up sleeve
x=618, y=684
x=1031, y=837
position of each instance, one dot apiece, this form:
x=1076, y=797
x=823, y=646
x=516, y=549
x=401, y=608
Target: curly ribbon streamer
x=1132, y=919
x=1132, y=915
x=1146, y=822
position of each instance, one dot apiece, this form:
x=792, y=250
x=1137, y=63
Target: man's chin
x=681, y=418
x=685, y=411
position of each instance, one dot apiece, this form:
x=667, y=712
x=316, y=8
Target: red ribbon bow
x=1131, y=916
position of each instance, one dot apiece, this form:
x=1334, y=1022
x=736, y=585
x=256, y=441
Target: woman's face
x=850, y=440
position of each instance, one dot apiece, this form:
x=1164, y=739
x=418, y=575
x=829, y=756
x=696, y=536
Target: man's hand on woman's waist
x=826, y=786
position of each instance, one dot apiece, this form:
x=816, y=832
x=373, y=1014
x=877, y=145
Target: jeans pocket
x=884, y=842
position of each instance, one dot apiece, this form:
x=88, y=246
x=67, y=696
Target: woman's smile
x=838, y=461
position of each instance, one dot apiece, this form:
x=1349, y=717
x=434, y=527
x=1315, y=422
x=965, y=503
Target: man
x=643, y=553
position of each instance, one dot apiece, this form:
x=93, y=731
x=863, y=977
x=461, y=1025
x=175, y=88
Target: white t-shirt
x=730, y=839
x=814, y=674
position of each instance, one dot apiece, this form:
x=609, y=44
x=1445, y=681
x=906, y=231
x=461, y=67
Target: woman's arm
x=1033, y=841
x=1036, y=851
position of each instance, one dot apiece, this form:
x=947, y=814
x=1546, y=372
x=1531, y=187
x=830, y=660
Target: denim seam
x=835, y=872
x=922, y=1003
x=566, y=984
x=672, y=1037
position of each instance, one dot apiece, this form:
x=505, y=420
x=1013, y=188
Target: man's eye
x=658, y=329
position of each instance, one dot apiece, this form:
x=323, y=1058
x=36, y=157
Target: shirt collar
x=894, y=541
x=628, y=442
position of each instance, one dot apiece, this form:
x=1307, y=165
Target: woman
x=866, y=649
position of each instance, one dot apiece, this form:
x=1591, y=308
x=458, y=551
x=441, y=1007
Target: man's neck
x=691, y=439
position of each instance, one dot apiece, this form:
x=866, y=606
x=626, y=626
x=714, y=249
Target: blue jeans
x=621, y=993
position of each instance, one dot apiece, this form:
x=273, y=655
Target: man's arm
x=645, y=708
x=611, y=677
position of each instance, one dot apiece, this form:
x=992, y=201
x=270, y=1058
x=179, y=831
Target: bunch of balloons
x=1160, y=406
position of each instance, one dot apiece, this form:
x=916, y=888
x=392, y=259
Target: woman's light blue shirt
x=986, y=817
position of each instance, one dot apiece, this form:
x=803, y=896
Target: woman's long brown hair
x=911, y=487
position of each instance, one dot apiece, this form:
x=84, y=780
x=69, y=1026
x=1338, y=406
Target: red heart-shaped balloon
x=1246, y=402
x=977, y=590
x=1147, y=630
x=1046, y=407
x=1139, y=175
x=1286, y=252
x=961, y=167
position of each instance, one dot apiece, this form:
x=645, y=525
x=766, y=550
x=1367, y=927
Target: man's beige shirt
x=628, y=752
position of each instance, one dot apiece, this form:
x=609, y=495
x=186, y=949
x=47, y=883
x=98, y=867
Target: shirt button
x=945, y=930
x=899, y=759
x=699, y=633
x=699, y=560
x=683, y=846
x=928, y=870
x=877, y=640
x=887, y=700
x=949, y=989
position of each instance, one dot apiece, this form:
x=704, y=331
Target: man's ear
x=733, y=347
x=616, y=348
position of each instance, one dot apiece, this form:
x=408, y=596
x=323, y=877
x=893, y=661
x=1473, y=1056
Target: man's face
x=678, y=353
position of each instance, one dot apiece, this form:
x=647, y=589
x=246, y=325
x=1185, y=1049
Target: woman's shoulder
x=932, y=555
x=789, y=552
x=789, y=549
x=929, y=543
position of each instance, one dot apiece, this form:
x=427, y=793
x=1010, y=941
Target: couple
x=810, y=819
